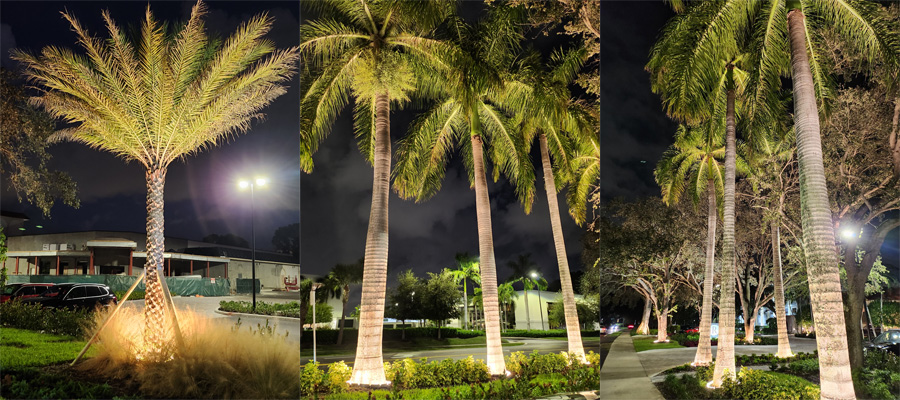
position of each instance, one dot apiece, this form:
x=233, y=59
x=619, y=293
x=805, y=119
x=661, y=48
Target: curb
x=239, y=314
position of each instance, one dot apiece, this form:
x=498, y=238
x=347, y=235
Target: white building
x=535, y=312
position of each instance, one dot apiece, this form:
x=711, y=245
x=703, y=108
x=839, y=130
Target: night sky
x=202, y=196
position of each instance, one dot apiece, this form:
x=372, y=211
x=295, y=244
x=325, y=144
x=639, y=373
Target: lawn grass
x=583, y=338
x=644, y=343
x=21, y=348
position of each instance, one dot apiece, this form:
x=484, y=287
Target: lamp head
x=534, y=275
x=261, y=181
x=243, y=184
x=848, y=233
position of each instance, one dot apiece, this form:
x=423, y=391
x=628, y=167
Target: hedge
x=58, y=321
x=751, y=385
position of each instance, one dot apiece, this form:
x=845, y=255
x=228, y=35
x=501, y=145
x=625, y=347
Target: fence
x=180, y=286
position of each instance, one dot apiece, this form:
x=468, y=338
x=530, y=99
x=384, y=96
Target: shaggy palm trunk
x=818, y=233
x=156, y=333
x=644, y=327
x=368, y=369
x=784, y=346
x=345, y=297
x=496, y=364
x=725, y=352
x=573, y=330
x=527, y=310
x=704, y=346
x=662, y=319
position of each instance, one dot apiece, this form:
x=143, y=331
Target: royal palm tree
x=466, y=117
x=466, y=268
x=549, y=114
x=380, y=52
x=525, y=271
x=784, y=43
x=338, y=282
x=694, y=163
x=163, y=96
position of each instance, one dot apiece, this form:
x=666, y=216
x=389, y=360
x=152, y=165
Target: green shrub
x=311, y=379
x=686, y=387
x=337, y=377
x=135, y=295
x=60, y=321
x=36, y=384
x=880, y=375
x=756, y=384
x=890, y=316
x=547, y=333
x=408, y=374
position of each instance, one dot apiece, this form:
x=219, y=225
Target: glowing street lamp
x=849, y=233
x=244, y=184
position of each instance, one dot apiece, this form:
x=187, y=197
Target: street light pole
x=312, y=300
x=252, y=184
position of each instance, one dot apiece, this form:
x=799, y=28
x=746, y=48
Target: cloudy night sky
x=202, y=196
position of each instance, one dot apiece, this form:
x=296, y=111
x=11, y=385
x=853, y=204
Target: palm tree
x=505, y=294
x=549, y=114
x=466, y=117
x=784, y=43
x=466, y=268
x=380, y=52
x=154, y=100
x=525, y=271
x=694, y=163
x=338, y=282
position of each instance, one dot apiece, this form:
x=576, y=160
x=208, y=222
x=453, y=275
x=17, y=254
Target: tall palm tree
x=784, y=43
x=549, y=114
x=466, y=117
x=694, y=163
x=159, y=98
x=466, y=268
x=379, y=52
x=338, y=282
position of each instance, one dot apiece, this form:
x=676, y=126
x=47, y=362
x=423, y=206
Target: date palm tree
x=380, y=53
x=694, y=163
x=466, y=117
x=547, y=112
x=156, y=99
x=338, y=282
x=784, y=43
x=466, y=268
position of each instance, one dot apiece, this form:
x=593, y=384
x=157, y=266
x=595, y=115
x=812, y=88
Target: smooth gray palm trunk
x=157, y=337
x=368, y=368
x=784, y=346
x=345, y=297
x=573, y=328
x=725, y=365
x=818, y=232
x=490, y=297
x=704, y=346
x=527, y=309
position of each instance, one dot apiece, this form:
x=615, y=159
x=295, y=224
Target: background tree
x=466, y=269
x=338, y=282
x=305, y=287
x=287, y=239
x=402, y=304
x=439, y=298
x=228, y=239
x=324, y=313
x=378, y=52
x=23, y=150
x=158, y=98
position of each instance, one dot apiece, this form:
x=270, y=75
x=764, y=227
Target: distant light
x=848, y=233
x=534, y=275
x=21, y=229
x=243, y=184
x=261, y=181
x=39, y=226
x=643, y=161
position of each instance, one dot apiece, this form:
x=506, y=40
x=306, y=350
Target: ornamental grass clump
x=217, y=360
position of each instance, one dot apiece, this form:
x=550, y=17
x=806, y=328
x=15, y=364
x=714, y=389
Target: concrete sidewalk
x=623, y=376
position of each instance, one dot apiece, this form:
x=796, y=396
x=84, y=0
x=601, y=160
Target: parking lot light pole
x=243, y=185
x=312, y=300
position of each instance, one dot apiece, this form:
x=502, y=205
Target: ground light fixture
x=251, y=184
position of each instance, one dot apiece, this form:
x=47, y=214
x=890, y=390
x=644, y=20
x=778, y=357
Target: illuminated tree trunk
x=573, y=329
x=496, y=364
x=157, y=337
x=704, y=346
x=644, y=327
x=784, y=346
x=662, y=319
x=368, y=369
x=725, y=351
x=527, y=309
x=818, y=233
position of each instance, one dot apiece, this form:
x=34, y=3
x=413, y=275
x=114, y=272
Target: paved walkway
x=623, y=375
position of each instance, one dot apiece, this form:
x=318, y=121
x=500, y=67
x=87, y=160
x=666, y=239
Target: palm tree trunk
x=818, y=233
x=368, y=369
x=704, y=346
x=644, y=327
x=527, y=310
x=784, y=346
x=573, y=328
x=157, y=337
x=466, y=303
x=496, y=364
x=345, y=297
x=725, y=352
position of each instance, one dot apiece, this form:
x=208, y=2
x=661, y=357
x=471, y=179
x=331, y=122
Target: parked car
x=76, y=295
x=23, y=291
x=887, y=341
x=602, y=330
x=692, y=330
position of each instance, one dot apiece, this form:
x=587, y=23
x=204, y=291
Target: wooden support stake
x=109, y=318
x=170, y=305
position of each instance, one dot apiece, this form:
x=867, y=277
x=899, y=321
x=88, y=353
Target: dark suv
x=887, y=341
x=76, y=295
